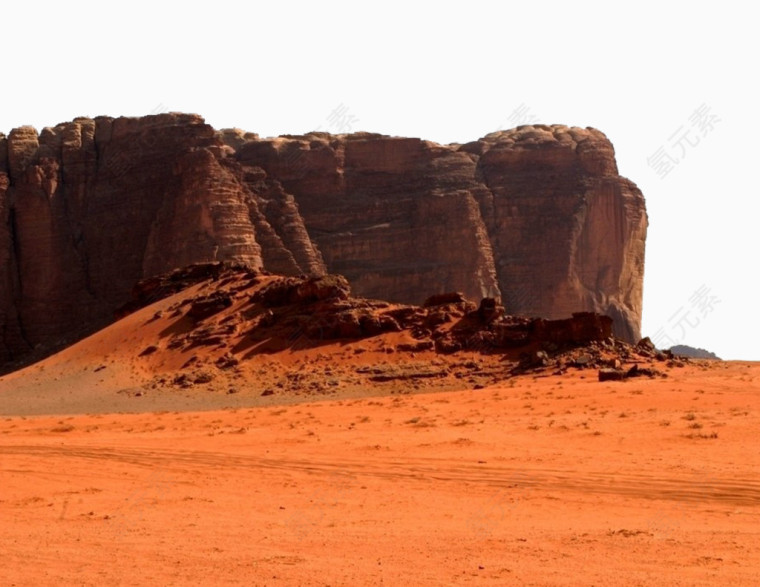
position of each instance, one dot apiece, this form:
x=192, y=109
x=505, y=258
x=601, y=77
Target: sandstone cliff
x=537, y=215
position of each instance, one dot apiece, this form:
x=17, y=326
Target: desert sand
x=557, y=480
x=355, y=464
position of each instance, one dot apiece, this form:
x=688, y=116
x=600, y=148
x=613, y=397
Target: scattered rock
x=406, y=373
x=490, y=309
x=293, y=290
x=540, y=358
x=203, y=307
x=415, y=347
x=611, y=374
x=150, y=290
x=182, y=380
x=637, y=371
x=203, y=377
x=583, y=360
x=445, y=299
x=227, y=361
x=614, y=363
x=149, y=350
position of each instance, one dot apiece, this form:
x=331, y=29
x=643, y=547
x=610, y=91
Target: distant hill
x=690, y=351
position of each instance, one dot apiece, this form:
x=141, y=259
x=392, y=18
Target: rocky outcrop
x=393, y=215
x=537, y=216
x=236, y=309
x=683, y=350
x=568, y=232
x=92, y=206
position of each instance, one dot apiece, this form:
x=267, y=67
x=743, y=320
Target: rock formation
x=537, y=216
x=685, y=350
x=239, y=310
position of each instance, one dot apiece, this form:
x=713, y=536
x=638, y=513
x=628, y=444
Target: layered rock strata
x=537, y=216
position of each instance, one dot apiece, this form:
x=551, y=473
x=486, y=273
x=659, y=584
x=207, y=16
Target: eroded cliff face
x=568, y=232
x=398, y=217
x=537, y=215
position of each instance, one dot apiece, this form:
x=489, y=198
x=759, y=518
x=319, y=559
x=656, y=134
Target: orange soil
x=534, y=480
x=557, y=480
x=110, y=372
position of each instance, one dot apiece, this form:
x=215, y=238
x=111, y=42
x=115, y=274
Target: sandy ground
x=111, y=371
x=355, y=464
x=557, y=480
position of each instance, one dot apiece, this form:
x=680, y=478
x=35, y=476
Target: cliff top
x=524, y=135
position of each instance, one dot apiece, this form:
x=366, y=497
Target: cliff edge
x=537, y=215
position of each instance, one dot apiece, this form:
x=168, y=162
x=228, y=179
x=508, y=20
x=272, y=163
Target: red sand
x=551, y=480
x=547, y=481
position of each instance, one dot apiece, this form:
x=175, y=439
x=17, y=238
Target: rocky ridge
x=695, y=353
x=537, y=217
x=224, y=316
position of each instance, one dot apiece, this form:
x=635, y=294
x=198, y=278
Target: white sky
x=449, y=72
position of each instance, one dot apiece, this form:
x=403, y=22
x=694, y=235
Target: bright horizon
x=671, y=88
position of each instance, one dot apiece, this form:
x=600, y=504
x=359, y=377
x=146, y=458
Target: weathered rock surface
x=537, y=216
x=226, y=314
x=242, y=309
